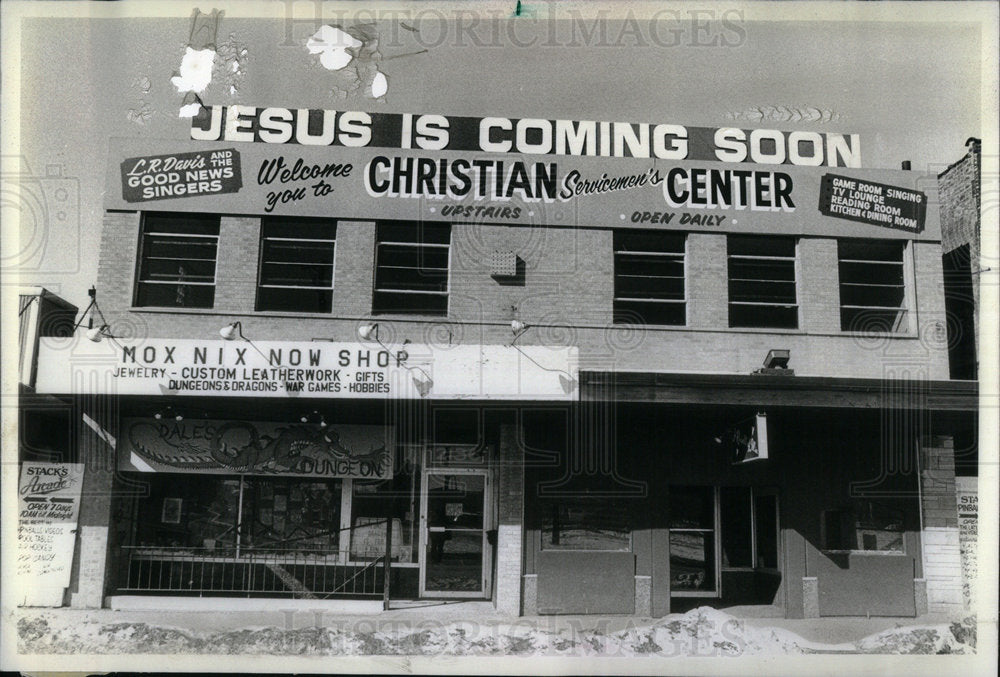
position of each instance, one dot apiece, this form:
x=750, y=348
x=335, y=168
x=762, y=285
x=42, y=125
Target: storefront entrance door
x=455, y=553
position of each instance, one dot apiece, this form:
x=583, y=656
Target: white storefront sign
x=305, y=369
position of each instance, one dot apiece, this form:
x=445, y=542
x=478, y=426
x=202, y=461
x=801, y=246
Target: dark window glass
x=872, y=286
x=296, y=265
x=649, y=278
x=762, y=282
x=766, y=522
x=177, y=254
x=692, y=539
x=736, y=527
x=411, y=269
x=585, y=523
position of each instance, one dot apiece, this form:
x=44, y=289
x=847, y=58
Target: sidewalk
x=473, y=629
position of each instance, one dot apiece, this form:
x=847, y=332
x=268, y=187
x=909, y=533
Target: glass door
x=456, y=555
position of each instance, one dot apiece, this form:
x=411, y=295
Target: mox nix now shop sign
x=304, y=369
x=355, y=165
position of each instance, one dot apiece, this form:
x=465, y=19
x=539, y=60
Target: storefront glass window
x=373, y=502
x=177, y=260
x=692, y=540
x=291, y=514
x=737, y=527
x=748, y=528
x=200, y=513
x=585, y=523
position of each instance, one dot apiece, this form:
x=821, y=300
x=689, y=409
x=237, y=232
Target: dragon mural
x=241, y=447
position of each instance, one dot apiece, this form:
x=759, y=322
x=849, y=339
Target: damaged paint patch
x=141, y=111
x=232, y=65
x=380, y=85
x=332, y=43
x=195, y=72
x=785, y=114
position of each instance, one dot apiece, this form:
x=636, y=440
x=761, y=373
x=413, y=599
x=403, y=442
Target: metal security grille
x=872, y=286
x=411, y=268
x=296, y=265
x=177, y=255
x=317, y=574
x=762, y=282
x=649, y=278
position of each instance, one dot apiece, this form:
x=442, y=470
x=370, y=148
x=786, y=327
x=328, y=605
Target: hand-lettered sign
x=159, y=177
x=48, y=507
x=873, y=203
x=256, y=448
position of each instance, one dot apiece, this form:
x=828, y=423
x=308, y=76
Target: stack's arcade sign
x=48, y=508
x=256, y=448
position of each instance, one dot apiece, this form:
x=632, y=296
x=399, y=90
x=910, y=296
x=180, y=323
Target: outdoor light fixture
x=232, y=330
x=423, y=385
x=776, y=359
x=95, y=334
x=366, y=331
x=567, y=382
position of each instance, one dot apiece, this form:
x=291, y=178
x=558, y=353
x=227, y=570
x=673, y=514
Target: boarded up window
x=177, y=255
x=296, y=265
x=762, y=282
x=411, y=268
x=872, y=286
x=649, y=278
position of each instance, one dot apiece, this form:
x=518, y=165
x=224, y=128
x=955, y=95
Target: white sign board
x=313, y=369
x=48, y=508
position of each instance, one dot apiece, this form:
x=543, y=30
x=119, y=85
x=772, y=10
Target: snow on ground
x=699, y=632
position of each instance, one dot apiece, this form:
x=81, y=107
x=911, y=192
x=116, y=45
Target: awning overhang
x=778, y=390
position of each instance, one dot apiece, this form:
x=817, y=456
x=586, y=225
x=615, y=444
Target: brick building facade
x=713, y=377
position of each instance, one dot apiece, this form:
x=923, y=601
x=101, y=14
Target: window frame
x=418, y=246
x=755, y=493
x=142, y=256
x=906, y=310
x=795, y=258
x=619, y=253
x=260, y=263
x=716, y=544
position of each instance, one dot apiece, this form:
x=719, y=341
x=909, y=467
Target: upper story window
x=296, y=264
x=177, y=260
x=649, y=277
x=872, y=286
x=762, y=282
x=411, y=268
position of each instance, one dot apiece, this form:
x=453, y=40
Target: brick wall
x=959, y=192
x=510, y=486
x=942, y=565
x=566, y=295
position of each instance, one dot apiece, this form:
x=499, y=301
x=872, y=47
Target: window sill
x=867, y=553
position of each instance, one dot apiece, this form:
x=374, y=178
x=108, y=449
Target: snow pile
x=957, y=638
x=702, y=632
